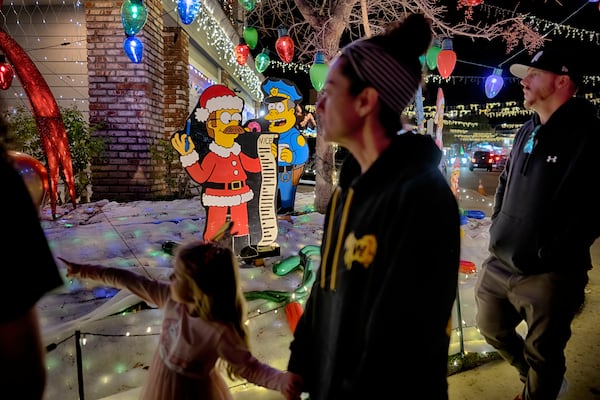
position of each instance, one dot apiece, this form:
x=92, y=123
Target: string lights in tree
x=468, y=6
x=225, y=48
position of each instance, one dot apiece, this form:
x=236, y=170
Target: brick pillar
x=176, y=99
x=176, y=88
x=127, y=99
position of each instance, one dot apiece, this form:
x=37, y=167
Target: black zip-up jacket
x=387, y=281
x=545, y=217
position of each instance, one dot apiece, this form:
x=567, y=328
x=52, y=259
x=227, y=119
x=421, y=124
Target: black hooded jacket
x=378, y=311
x=545, y=217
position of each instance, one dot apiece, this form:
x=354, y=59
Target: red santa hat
x=217, y=97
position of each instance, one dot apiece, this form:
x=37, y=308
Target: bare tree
x=322, y=25
x=319, y=25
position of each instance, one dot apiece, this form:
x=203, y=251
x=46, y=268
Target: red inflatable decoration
x=6, y=74
x=293, y=312
x=34, y=175
x=467, y=267
x=48, y=118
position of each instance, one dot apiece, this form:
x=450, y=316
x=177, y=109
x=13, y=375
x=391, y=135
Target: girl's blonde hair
x=211, y=273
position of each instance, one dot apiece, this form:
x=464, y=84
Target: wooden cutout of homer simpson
x=281, y=98
x=223, y=168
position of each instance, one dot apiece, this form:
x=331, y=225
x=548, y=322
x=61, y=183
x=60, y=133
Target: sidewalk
x=495, y=380
x=499, y=381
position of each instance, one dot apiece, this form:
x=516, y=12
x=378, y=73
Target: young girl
x=204, y=311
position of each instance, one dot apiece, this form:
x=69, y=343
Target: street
x=470, y=179
x=467, y=180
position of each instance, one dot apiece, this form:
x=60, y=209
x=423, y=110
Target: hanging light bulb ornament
x=242, y=51
x=250, y=35
x=471, y=3
x=134, y=16
x=446, y=60
x=7, y=74
x=432, y=54
x=284, y=46
x=494, y=83
x=188, y=10
x=134, y=49
x=318, y=72
x=248, y=4
x=262, y=61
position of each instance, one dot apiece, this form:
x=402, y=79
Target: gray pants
x=548, y=303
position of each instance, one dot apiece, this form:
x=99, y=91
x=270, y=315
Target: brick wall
x=127, y=99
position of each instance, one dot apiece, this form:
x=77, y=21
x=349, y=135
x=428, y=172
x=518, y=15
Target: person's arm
x=499, y=195
x=232, y=350
x=150, y=290
x=23, y=356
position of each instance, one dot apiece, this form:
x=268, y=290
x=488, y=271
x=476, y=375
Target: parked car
x=499, y=162
x=481, y=159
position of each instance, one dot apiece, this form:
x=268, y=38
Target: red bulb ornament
x=34, y=175
x=284, y=46
x=6, y=75
x=242, y=51
x=446, y=59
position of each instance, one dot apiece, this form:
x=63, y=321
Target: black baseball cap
x=550, y=60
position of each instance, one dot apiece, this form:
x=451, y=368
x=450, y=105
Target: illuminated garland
x=542, y=25
x=220, y=41
x=224, y=46
x=490, y=110
x=588, y=80
x=198, y=81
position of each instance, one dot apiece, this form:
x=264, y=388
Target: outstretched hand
x=72, y=268
x=293, y=387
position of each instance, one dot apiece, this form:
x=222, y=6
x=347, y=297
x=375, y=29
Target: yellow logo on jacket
x=360, y=250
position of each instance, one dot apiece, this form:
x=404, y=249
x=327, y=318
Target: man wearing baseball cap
x=550, y=60
x=543, y=224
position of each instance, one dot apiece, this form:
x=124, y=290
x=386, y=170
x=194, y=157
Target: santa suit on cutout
x=222, y=172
